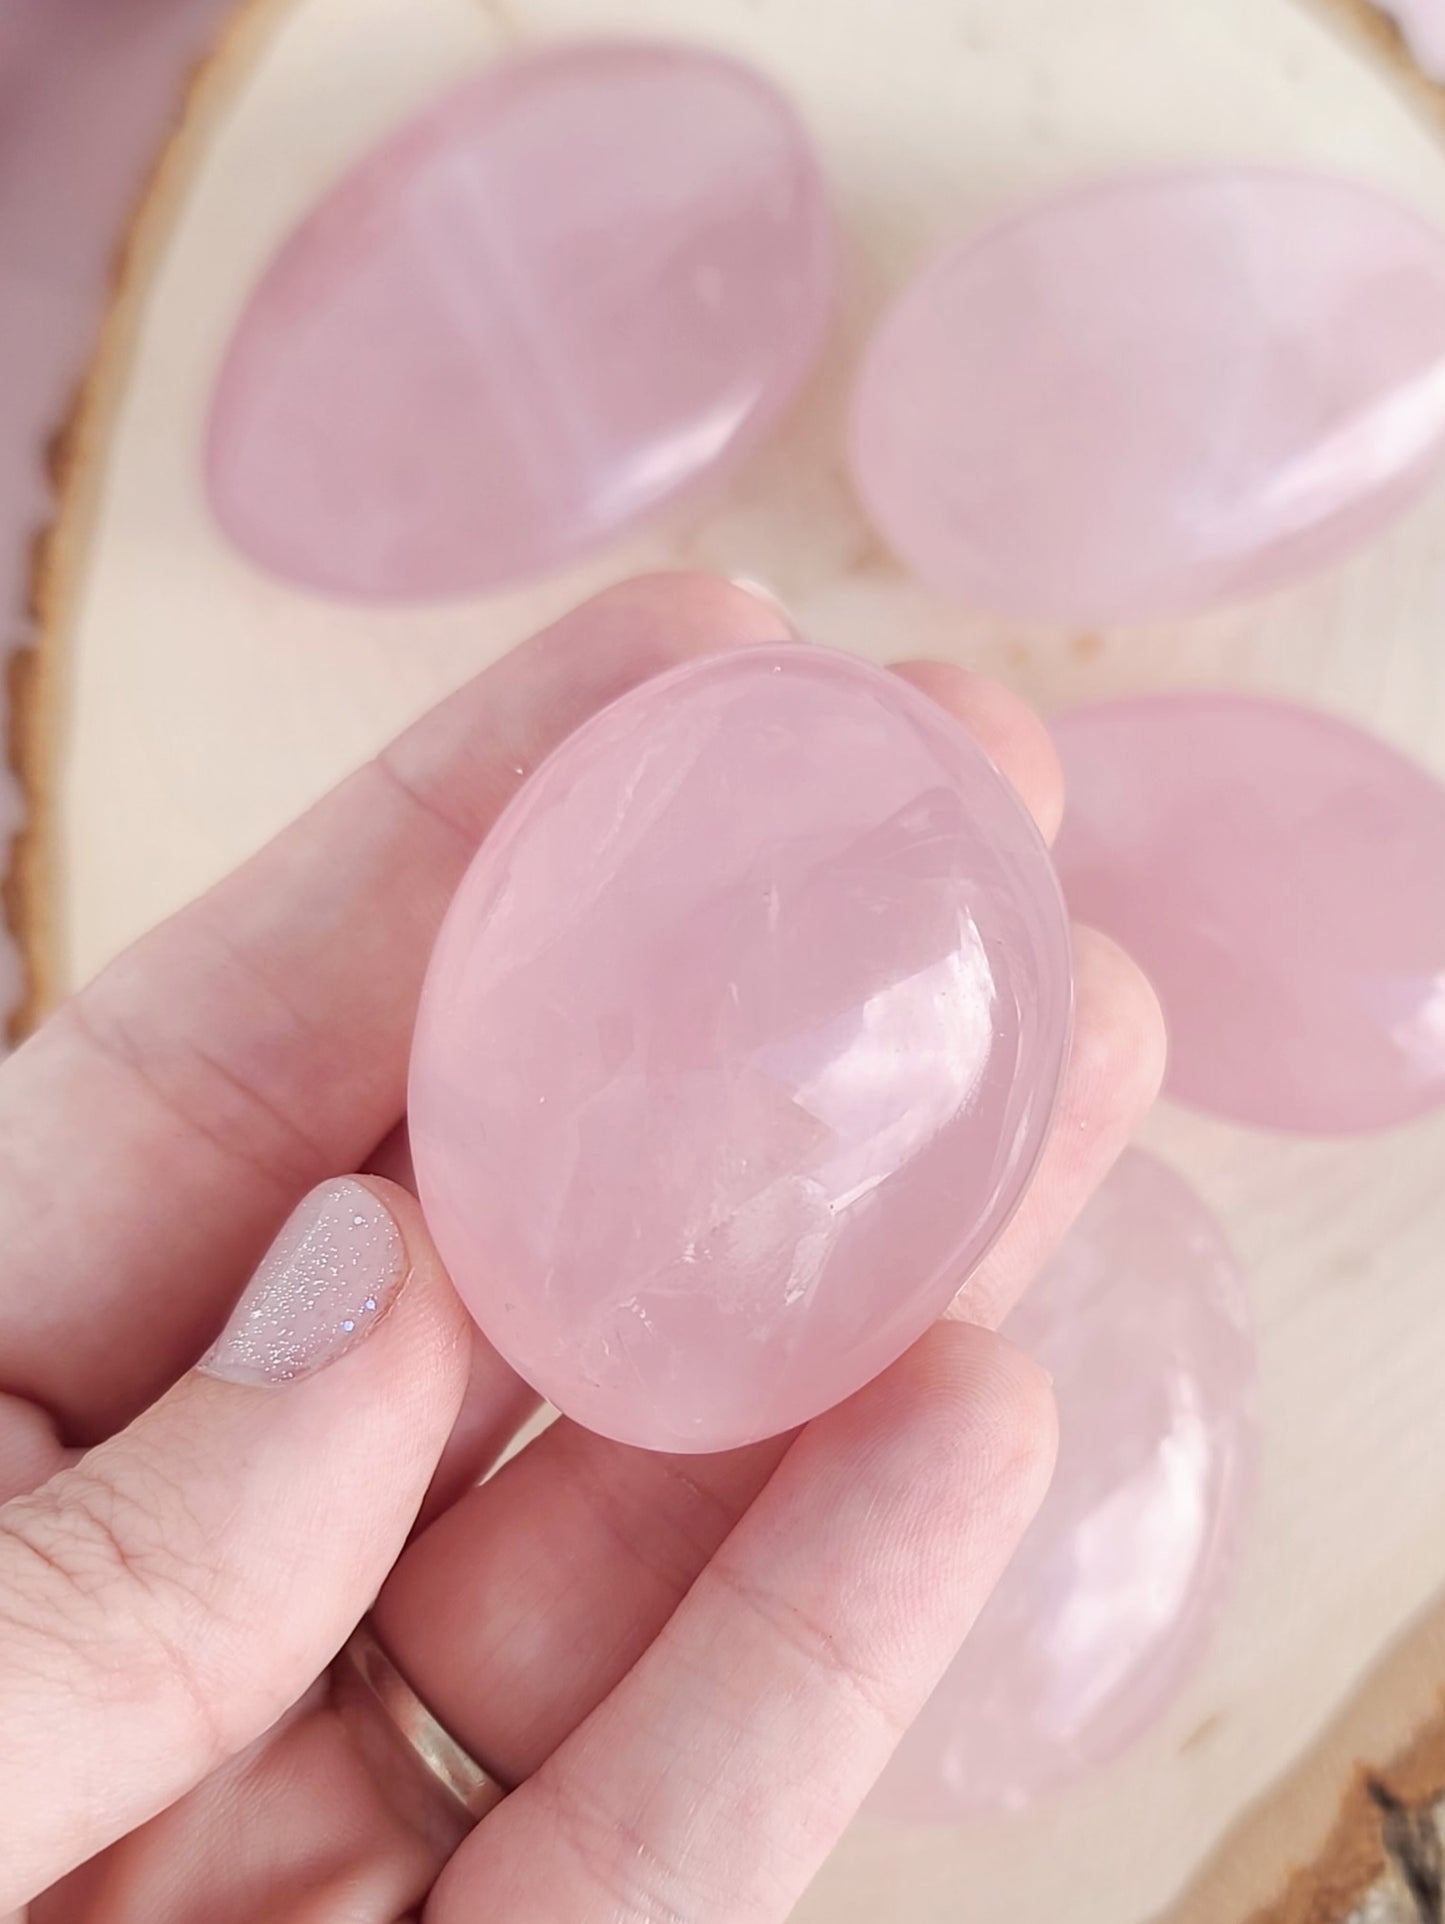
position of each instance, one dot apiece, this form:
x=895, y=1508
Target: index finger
x=162, y=1123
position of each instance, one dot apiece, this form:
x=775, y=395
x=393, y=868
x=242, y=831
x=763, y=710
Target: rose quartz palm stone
x=1156, y=394
x=1141, y=1319
x=738, y=1046
x=538, y=312
x=1280, y=876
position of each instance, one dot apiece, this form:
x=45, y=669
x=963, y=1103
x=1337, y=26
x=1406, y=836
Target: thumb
x=165, y=1599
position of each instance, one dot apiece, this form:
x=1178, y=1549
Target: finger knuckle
x=841, y=1663
x=617, y=1860
x=99, y=1588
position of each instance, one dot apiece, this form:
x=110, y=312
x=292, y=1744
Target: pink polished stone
x=534, y=315
x=738, y=1047
x=1280, y=876
x=1156, y=394
x=1142, y=1320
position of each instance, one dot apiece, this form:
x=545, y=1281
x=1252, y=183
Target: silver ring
x=364, y=1669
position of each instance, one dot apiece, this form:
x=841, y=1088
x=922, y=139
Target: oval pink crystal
x=1142, y=1320
x=1280, y=876
x=539, y=311
x=738, y=1046
x=1156, y=394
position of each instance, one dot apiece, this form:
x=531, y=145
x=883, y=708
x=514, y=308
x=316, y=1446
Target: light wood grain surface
x=187, y=706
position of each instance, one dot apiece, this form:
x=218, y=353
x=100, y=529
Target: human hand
x=692, y=1668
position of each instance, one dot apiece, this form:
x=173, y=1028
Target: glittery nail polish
x=331, y=1274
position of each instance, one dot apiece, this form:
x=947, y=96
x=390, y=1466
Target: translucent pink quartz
x=535, y=314
x=1141, y=1318
x=738, y=1046
x=1156, y=394
x=1280, y=875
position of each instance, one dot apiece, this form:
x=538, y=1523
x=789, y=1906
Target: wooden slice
x=181, y=706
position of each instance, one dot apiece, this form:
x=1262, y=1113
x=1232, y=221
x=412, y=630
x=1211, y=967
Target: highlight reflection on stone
x=1280, y=877
x=544, y=307
x=1157, y=393
x=1141, y=1318
x=738, y=1046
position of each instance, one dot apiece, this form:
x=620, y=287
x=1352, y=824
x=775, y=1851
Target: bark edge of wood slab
x=1355, y=1833
x=35, y=676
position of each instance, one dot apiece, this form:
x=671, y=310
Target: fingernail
x=328, y=1278
x=760, y=591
